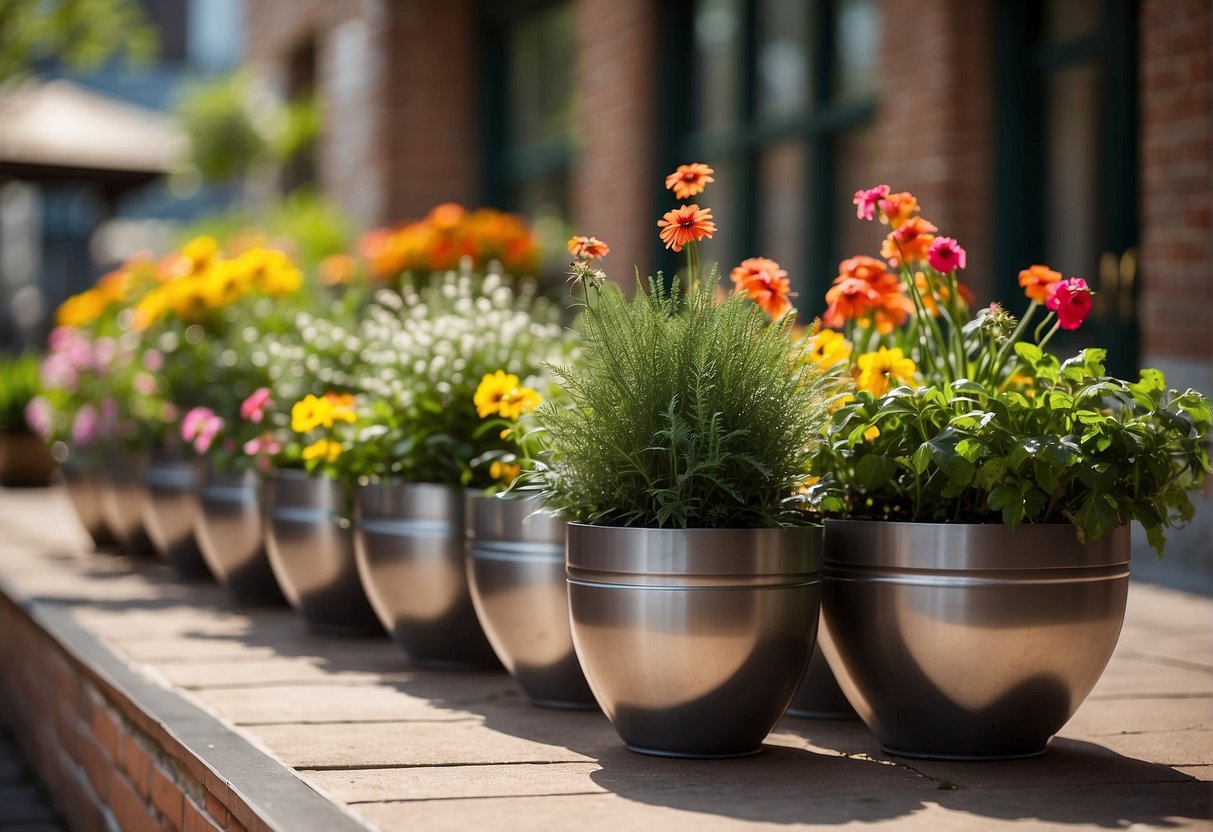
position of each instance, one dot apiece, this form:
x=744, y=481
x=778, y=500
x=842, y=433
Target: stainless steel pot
x=169, y=508
x=694, y=640
x=311, y=550
x=228, y=527
x=969, y=642
x=516, y=574
x=409, y=544
x=819, y=696
x=84, y=489
x=122, y=494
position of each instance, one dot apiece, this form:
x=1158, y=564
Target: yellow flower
x=827, y=349
x=187, y=298
x=308, y=413
x=871, y=434
x=270, y=271
x=200, y=251
x=878, y=369
x=223, y=285
x=493, y=389
x=504, y=472
x=518, y=401
x=323, y=449
x=150, y=309
x=341, y=409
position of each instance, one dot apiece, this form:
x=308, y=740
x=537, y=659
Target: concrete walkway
x=413, y=749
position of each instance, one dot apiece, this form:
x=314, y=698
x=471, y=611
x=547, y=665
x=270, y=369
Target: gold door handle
x=1128, y=277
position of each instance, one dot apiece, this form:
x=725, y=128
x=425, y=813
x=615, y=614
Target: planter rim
x=498, y=523
x=700, y=557
x=969, y=546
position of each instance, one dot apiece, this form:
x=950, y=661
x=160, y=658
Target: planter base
x=838, y=715
x=686, y=755
x=960, y=758
x=564, y=704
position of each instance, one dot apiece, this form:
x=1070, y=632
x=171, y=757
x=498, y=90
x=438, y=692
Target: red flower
x=945, y=255
x=1071, y=300
x=867, y=199
x=687, y=224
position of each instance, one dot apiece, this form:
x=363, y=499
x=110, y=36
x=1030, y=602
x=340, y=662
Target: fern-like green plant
x=686, y=412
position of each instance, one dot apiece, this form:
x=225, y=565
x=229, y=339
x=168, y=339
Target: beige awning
x=57, y=129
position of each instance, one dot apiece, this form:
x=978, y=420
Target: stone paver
x=407, y=748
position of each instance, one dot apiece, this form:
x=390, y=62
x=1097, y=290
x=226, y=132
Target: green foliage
x=686, y=413
x=1076, y=446
x=225, y=142
x=18, y=384
x=81, y=33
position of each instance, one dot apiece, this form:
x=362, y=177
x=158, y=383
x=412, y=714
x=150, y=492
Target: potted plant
x=977, y=570
x=515, y=550
x=309, y=537
x=25, y=458
x=421, y=445
x=693, y=572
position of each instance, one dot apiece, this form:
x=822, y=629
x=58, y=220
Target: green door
x=1066, y=157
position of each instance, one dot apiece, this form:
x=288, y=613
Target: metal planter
x=968, y=642
x=694, y=641
x=311, y=550
x=516, y=573
x=123, y=492
x=173, y=483
x=84, y=485
x=228, y=528
x=409, y=543
x=819, y=696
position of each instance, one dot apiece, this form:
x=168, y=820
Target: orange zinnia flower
x=687, y=224
x=849, y=299
x=689, y=180
x=590, y=248
x=868, y=269
x=897, y=208
x=765, y=283
x=1037, y=282
x=911, y=239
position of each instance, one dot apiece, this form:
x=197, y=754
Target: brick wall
x=935, y=122
x=1176, y=76
x=615, y=178
x=107, y=764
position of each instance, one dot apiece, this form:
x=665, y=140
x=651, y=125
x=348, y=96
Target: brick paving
x=405, y=748
x=23, y=805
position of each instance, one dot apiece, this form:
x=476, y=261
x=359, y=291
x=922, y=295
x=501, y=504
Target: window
x=783, y=98
x=528, y=108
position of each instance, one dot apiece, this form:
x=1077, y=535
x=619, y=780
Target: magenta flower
x=84, y=426
x=1071, y=300
x=263, y=446
x=58, y=373
x=945, y=255
x=253, y=408
x=867, y=199
x=38, y=416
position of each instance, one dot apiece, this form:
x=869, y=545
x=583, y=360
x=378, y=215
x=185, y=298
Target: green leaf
x=873, y=471
x=1008, y=500
x=1028, y=352
x=1097, y=515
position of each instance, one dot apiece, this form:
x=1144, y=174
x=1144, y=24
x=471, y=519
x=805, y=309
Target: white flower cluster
x=318, y=355
x=429, y=348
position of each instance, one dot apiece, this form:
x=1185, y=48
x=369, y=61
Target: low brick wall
x=107, y=764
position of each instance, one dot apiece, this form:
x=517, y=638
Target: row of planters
x=663, y=509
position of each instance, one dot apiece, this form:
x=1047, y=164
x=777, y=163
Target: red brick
x=217, y=810
x=129, y=809
x=97, y=766
x=107, y=730
x=137, y=765
x=197, y=820
x=166, y=795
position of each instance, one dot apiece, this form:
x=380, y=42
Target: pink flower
x=60, y=338
x=84, y=426
x=144, y=384
x=945, y=255
x=58, y=373
x=1071, y=300
x=104, y=352
x=153, y=361
x=38, y=416
x=201, y=426
x=867, y=199
x=253, y=408
x=263, y=445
